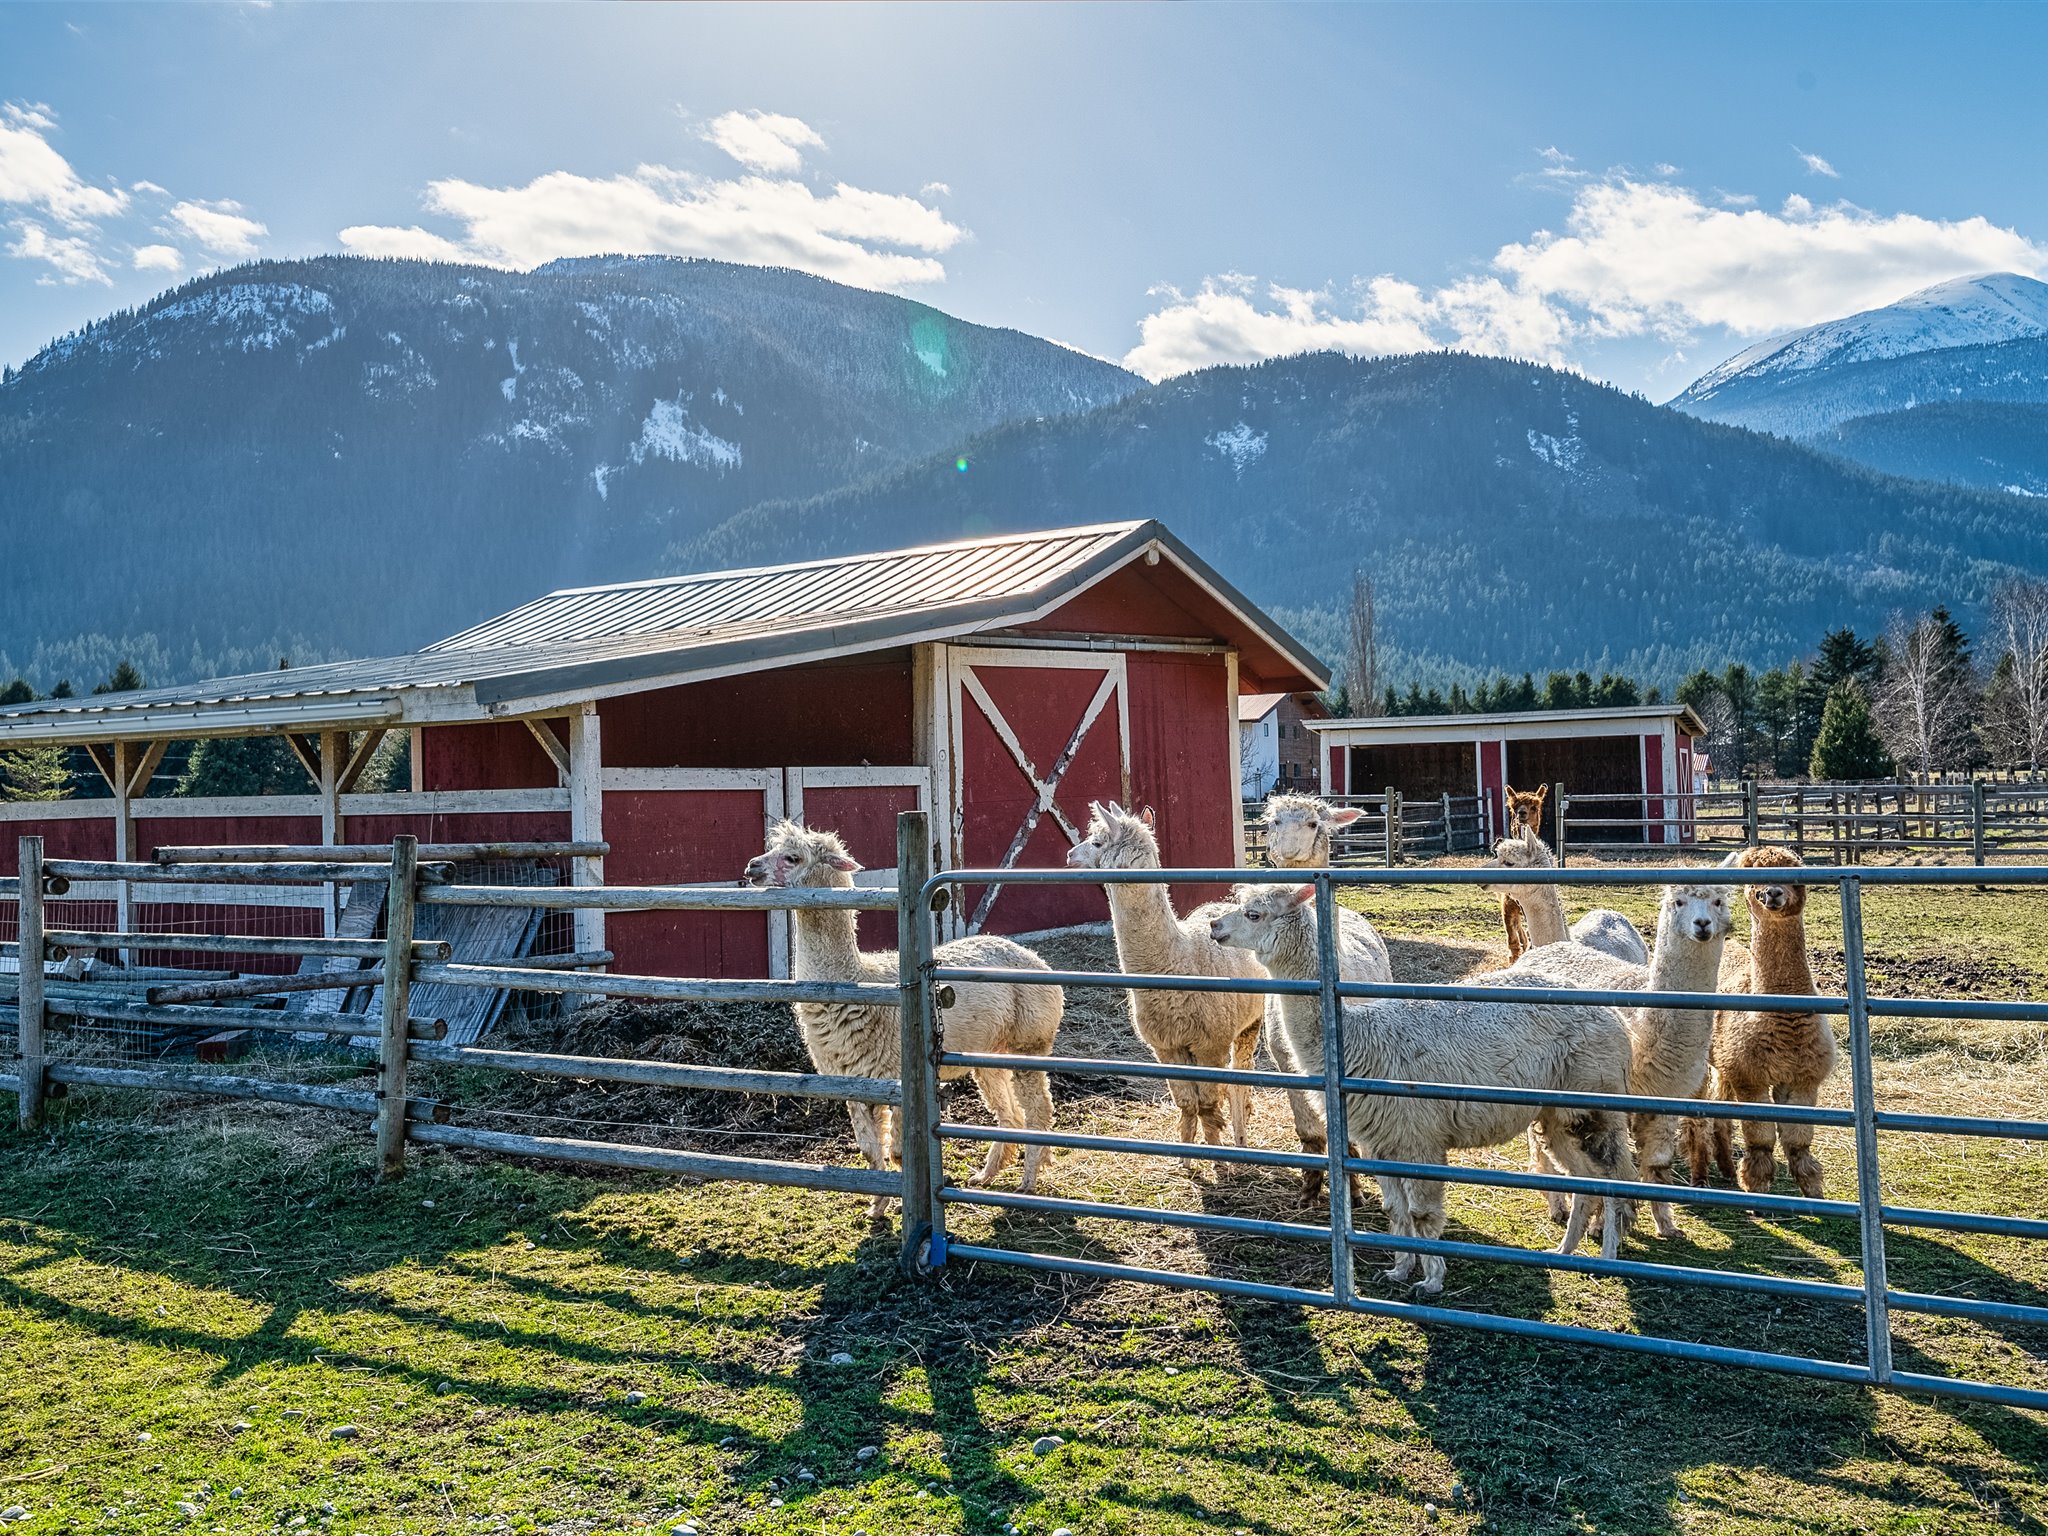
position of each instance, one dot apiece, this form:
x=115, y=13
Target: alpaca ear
x=1734, y=860
x=842, y=863
x=1300, y=895
x=1146, y=817
x=1529, y=837
x=1345, y=816
x=1542, y=794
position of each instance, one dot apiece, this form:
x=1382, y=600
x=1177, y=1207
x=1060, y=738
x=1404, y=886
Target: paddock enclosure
x=999, y=684
x=63, y=1030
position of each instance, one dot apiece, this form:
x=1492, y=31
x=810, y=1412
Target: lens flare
x=961, y=465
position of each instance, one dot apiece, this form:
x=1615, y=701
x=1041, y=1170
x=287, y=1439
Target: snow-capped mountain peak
x=1963, y=312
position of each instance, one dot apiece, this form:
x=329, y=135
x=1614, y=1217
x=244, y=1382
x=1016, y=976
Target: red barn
x=1001, y=683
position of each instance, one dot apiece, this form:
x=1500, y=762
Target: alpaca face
x=797, y=856
x=1697, y=912
x=1298, y=829
x=1525, y=851
x=1257, y=916
x=1525, y=807
x=1116, y=840
x=1776, y=900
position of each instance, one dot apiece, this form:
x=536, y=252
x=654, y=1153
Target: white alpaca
x=1543, y=906
x=1204, y=1029
x=1509, y=1044
x=1668, y=1046
x=1298, y=836
x=864, y=1040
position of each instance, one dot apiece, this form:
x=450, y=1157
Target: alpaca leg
x=1656, y=1139
x=1426, y=1220
x=1541, y=1160
x=994, y=1084
x=1031, y=1093
x=868, y=1136
x=1211, y=1100
x=1395, y=1192
x=1244, y=1052
x=1308, y=1121
x=1798, y=1139
x=1759, y=1160
x=1593, y=1145
x=1185, y=1097
x=1517, y=927
x=1723, y=1133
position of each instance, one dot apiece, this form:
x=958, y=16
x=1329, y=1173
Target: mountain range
x=340, y=456
x=1864, y=386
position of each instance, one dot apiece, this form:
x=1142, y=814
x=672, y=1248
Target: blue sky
x=1636, y=191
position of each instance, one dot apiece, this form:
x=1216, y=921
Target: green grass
x=182, y=1270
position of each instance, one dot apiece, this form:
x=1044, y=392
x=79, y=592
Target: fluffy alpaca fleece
x=1203, y=1029
x=1525, y=812
x=1782, y=1057
x=857, y=1040
x=1543, y=906
x=1298, y=830
x=1668, y=1046
x=1575, y=1049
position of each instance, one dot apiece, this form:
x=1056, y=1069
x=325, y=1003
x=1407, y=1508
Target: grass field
x=195, y=1299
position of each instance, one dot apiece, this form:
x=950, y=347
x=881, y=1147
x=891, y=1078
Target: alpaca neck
x=1543, y=907
x=1777, y=955
x=1146, y=926
x=827, y=947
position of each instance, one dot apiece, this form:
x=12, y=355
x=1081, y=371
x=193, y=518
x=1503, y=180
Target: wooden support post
x=331, y=746
x=124, y=840
x=1749, y=811
x=586, y=816
x=29, y=1000
x=1447, y=824
x=1557, y=807
x=398, y=925
x=1978, y=841
x=924, y=1231
x=1393, y=808
x=1799, y=823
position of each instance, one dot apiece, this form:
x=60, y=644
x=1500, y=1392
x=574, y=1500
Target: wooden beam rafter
x=308, y=754
x=145, y=768
x=103, y=759
x=556, y=749
x=359, y=759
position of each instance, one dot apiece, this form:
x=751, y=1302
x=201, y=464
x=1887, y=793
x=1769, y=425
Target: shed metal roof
x=595, y=642
x=1525, y=721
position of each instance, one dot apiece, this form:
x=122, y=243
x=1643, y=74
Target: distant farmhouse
x=1277, y=753
x=1000, y=683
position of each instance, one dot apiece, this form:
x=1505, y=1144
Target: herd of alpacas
x=1270, y=931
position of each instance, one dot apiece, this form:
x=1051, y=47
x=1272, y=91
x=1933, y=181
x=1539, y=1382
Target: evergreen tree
x=1847, y=746
x=34, y=773
x=62, y=690
x=17, y=692
x=1778, y=718
x=123, y=679
x=242, y=765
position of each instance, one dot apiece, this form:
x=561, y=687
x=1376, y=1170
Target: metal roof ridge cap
x=1502, y=717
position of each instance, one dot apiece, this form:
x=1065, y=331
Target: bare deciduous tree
x=2016, y=707
x=1926, y=703
x=1362, y=684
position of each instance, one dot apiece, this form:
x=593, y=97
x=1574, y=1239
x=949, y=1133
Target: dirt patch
x=1948, y=975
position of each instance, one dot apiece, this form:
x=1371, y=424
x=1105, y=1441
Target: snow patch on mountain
x=668, y=433
x=1240, y=445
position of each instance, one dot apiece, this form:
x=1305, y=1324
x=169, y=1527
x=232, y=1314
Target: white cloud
x=764, y=141
x=149, y=186
x=34, y=175
x=71, y=256
x=158, y=258
x=935, y=189
x=871, y=239
x=220, y=227
x=1637, y=257
x=1815, y=164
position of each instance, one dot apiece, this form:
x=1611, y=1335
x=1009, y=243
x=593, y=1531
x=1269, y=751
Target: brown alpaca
x=1524, y=810
x=1759, y=1057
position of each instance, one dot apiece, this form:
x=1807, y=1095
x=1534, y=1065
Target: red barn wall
x=1182, y=721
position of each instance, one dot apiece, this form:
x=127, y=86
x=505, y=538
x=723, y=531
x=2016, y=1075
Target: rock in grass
x=635, y=1399
x=344, y=1432
x=1429, y=1511
x=241, y=1426
x=839, y=1357
x=184, y=1507
x=1045, y=1445
x=14, y=1512
x=444, y=1387
x=867, y=1453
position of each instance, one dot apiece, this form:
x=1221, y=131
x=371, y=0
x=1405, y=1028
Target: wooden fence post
x=1557, y=800
x=1799, y=822
x=1447, y=824
x=1393, y=808
x=399, y=911
x=918, y=1114
x=1749, y=811
x=29, y=1001
x=1977, y=809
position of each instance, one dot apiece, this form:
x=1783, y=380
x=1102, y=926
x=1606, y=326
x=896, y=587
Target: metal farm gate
x=46, y=1012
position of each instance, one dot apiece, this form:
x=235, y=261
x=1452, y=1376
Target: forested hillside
x=1513, y=516
x=341, y=455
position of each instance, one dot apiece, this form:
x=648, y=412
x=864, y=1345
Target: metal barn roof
x=596, y=642
x=1520, y=724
